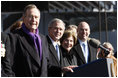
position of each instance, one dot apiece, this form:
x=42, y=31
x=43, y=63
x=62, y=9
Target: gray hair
x=55, y=20
x=106, y=44
x=30, y=6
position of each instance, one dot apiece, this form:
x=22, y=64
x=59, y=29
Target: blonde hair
x=71, y=26
x=109, y=45
x=67, y=34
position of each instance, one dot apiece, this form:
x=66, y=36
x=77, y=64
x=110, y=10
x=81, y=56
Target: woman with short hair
x=67, y=41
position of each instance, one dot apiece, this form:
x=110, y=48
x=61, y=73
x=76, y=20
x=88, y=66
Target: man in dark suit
x=6, y=70
x=85, y=53
x=56, y=29
x=29, y=50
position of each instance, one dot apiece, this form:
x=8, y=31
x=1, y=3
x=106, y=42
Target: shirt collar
x=53, y=42
x=81, y=42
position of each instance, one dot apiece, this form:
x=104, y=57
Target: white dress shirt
x=56, y=46
x=86, y=52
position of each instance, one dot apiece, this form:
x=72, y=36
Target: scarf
x=36, y=39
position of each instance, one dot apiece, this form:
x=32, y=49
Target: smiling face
x=56, y=31
x=68, y=43
x=83, y=31
x=31, y=19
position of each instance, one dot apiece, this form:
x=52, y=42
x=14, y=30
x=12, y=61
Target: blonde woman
x=68, y=40
x=72, y=28
x=110, y=55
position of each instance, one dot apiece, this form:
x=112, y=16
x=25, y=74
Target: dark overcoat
x=25, y=59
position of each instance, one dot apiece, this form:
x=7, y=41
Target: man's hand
x=69, y=68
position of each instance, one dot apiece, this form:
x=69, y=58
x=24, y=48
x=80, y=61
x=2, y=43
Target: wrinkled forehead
x=32, y=10
x=58, y=24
